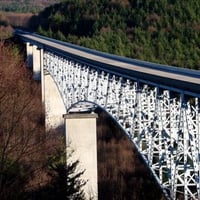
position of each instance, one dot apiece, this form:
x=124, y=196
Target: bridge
x=157, y=106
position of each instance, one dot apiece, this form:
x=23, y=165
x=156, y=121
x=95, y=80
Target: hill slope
x=164, y=31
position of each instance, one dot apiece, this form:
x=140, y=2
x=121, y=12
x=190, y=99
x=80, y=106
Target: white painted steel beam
x=163, y=124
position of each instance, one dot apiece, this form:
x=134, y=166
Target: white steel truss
x=164, y=124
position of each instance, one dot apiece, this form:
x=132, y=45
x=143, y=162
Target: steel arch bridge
x=158, y=106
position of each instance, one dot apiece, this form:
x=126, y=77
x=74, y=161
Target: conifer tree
x=66, y=178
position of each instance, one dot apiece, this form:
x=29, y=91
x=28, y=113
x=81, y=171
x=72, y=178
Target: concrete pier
x=81, y=137
x=53, y=103
x=35, y=59
x=36, y=63
x=29, y=53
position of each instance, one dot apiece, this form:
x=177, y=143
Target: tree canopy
x=164, y=31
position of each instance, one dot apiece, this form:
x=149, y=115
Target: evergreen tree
x=66, y=179
x=142, y=30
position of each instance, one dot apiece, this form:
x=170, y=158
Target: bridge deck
x=168, y=76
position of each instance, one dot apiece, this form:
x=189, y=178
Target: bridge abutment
x=81, y=138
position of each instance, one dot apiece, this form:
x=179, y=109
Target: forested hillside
x=164, y=31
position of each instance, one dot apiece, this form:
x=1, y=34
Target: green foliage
x=60, y=36
x=13, y=178
x=162, y=31
x=74, y=183
x=66, y=179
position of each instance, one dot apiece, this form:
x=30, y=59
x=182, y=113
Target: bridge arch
x=158, y=106
x=53, y=103
x=158, y=120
